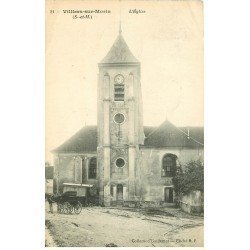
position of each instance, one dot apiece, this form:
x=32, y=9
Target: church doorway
x=119, y=192
x=169, y=195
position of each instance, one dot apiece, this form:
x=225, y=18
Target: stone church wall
x=149, y=185
x=152, y=183
x=69, y=167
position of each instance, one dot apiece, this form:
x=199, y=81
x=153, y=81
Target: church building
x=126, y=161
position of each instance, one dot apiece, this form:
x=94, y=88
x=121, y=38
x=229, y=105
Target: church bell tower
x=119, y=125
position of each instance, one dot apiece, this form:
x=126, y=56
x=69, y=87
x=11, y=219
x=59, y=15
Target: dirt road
x=100, y=227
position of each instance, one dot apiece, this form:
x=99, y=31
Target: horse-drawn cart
x=69, y=202
x=74, y=196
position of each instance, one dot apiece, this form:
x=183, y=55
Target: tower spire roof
x=119, y=52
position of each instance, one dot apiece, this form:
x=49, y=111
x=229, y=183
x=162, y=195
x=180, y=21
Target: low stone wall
x=192, y=203
x=191, y=209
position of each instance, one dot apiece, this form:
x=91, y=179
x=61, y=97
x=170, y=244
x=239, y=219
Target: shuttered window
x=119, y=92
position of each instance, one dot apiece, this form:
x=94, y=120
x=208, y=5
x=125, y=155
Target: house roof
x=119, y=53
x=166, y=135
x=77, y=185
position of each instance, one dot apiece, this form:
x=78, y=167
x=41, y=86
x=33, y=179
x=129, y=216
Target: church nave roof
x=166, y=135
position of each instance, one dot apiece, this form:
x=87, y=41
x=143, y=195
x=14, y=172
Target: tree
x=188, y=179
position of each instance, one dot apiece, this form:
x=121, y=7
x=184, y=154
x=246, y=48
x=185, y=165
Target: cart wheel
x=78, y=208
x=68, y=207
x=65, y=208
x=59, y=208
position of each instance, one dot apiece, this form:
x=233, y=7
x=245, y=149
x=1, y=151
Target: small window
x=119, y=92
x=111, y=190
x=92, y=169
x=120, y=162
x=119, y=118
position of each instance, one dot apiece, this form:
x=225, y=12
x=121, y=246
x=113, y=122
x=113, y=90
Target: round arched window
x=169, y=165
x=120, y=162
x=119, y=118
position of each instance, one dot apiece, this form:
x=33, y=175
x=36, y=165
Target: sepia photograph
x=124, y=123
x=124, y=163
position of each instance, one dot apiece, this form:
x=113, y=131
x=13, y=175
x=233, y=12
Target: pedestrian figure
x=50, y=203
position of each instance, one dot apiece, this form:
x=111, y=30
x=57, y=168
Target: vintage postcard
x=124, y=123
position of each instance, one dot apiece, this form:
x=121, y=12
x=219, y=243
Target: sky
x=167, y=39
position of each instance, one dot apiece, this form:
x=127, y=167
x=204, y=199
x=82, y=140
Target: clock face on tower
x=119, y=79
